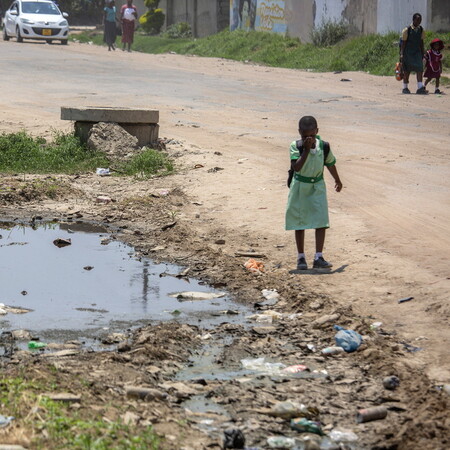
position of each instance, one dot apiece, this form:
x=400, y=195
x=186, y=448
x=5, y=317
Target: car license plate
x=46, y=32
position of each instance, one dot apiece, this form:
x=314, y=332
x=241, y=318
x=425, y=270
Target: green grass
x=54, y=425
x=22, y=153
x=375, y=54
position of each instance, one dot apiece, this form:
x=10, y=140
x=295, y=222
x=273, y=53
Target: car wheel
x=64, y=42
x=5, y=34
x=19, y=37
x=49, y=41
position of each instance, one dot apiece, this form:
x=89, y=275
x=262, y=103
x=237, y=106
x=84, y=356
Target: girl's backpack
x=299, y=144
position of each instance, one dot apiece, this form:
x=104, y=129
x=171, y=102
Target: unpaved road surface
x=389, y=226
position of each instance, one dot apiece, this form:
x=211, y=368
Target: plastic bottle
x=306, y=426
x=36, y=345
x=280, y=442
x=335, y=350
x=369, y=414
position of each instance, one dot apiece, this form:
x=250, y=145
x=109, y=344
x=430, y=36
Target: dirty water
x=97, y=284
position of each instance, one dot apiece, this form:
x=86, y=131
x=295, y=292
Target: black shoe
x=422, y=91
x=406, y=91
x=320, y=263
x=437, y=91
x=301, y=264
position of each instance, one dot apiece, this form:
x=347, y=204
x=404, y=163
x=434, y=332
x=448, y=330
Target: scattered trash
x=307, y=426
x=233, y=438
x=215, y=169
x=103, y=172
x=198, y=166
x=249, y=254
x=376, y=325
x=280, y=442
x=254, y=266
x=406, y=299
x=270, y=294
x=335, y=350
x=346, y=79
x=88, y=268
x=63, y=397
x=5, y=420
x=411, y=348
x=164, y=192
x=24, y=292
x=265, y=317
x=206, y=336
x=342, y=435
x=370, y=414
x=260, y=365
x=36, y=345
x=349, y=340
x=391, y=383
x=291, y=410
x=176, y=312
x=220, y=242
x=3, y=311
x=23, y=335
x=62, y=242
x=191, y=295
x=295, y=369
x=103, y=199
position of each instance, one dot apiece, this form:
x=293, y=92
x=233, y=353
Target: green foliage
x=20, y=152
x=329, y=33
x=180, y=30
x=376, y=54
x=147, y=164
x=153, y=20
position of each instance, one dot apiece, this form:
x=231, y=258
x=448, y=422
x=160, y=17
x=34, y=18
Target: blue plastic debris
x=349, y=340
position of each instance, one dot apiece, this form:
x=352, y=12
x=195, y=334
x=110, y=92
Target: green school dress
x=307, y=206
x=412, y=55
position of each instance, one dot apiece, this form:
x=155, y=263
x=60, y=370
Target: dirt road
x=389, y=237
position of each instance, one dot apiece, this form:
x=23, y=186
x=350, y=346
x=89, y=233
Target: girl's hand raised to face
x=309, y=143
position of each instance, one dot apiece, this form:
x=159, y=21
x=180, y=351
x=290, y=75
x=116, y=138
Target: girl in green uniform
x=307, y=206
x=411, y=54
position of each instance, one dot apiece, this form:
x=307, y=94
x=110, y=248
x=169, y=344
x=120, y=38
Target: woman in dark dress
x=110, y=25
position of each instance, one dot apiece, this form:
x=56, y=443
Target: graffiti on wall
x=259, y=15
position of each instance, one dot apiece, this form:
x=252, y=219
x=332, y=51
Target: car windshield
x=40, y=8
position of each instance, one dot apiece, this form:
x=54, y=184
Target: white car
x=35, y=19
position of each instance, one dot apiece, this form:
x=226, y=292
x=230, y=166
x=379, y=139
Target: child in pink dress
x=433, y=63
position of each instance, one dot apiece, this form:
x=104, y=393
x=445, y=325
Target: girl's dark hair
x=307, y=123
x=417, y=15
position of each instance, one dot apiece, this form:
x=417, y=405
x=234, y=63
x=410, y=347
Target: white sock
x=317, y=255
x=419, y=84
x=300, y=255
x=405, y=85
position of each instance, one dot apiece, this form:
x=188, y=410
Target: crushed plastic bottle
x=335, y=350
x=307, y=426
x=349, y=340
x=36, y=345
x=280, y=442
x=260, y=365
x=342, y=435
x=289, y=410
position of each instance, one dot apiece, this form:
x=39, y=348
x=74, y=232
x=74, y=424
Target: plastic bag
x=349, y=340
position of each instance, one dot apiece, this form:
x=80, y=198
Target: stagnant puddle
x=95, y=285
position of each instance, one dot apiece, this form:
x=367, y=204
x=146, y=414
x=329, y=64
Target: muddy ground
x=388, y=240
x=152, y=356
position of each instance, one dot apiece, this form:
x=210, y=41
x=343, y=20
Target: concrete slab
x=110, y=114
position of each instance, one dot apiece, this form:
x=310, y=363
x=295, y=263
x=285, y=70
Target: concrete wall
x=298, y=17
x=206, y=17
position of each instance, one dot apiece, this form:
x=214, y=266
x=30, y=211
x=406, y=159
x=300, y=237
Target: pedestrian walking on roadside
x=411, y=54
x=109, y=20
x=433, y=63
x=307, y=206
x=128, y=16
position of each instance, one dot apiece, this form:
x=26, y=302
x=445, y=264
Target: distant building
x=297, y=18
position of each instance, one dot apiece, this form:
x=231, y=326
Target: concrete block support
x=141, y=123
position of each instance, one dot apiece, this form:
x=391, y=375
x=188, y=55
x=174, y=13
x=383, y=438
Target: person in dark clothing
x=411, y=54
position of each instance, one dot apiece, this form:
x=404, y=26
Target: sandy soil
x=389, y=224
